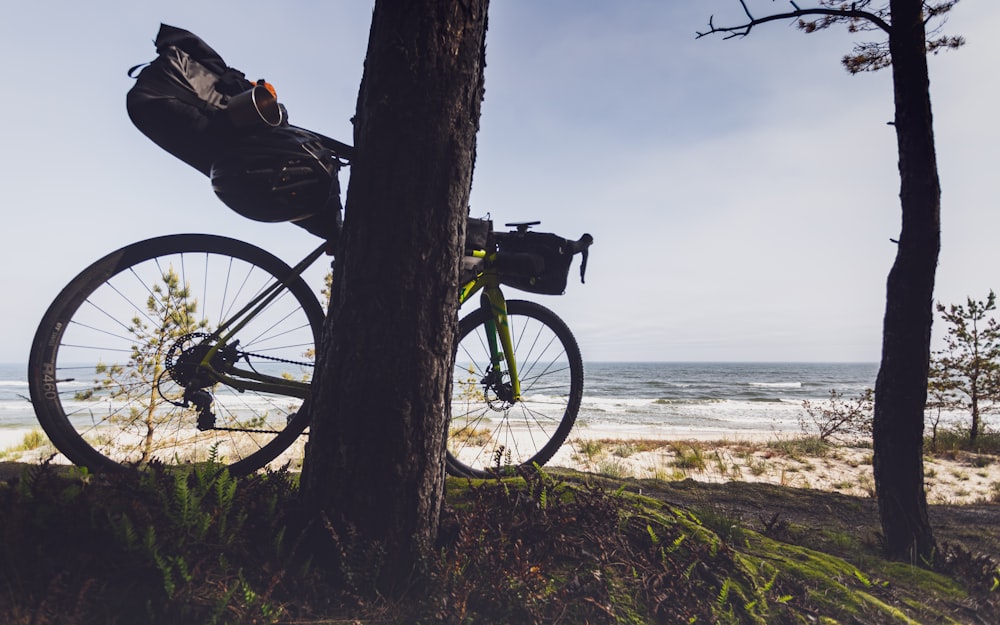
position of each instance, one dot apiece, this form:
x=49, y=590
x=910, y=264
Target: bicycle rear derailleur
x=183, y=366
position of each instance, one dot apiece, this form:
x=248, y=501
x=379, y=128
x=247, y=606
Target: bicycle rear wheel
x=103, y=369
x=489, y=434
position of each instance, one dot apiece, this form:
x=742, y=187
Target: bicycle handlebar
x=581, y=246
x=532, y=263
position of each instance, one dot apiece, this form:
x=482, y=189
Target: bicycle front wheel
x=104, y=372
x=492, y=433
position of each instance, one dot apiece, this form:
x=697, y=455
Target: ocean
x=644, y=399
x=709, y=399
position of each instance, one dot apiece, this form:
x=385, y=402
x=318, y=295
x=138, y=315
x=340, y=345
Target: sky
x=742, y=193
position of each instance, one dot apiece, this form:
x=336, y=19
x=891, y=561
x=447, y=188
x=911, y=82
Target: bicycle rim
x=104, y=360
x=488, y=435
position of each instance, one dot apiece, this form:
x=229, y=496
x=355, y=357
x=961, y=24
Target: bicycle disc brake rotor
x=498, y=390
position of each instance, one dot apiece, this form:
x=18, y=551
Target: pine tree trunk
x=374, y=464
x=901, y=386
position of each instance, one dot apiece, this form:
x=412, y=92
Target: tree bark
x=374, y=465
x=901, y=385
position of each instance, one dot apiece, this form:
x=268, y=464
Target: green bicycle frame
x=247, y=379
x=488, y=281
x=497, y=327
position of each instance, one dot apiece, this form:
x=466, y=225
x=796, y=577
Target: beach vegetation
x=659, y=471
x=846, y=420
x=625, y=449
x=954, y=442
x=195, y=545
x=756, y=464
x=588, y=449
x=614, y=468
x=689, y=456
x=32, y=440
x=965, y=374
x=799, y=446
x=472, y=436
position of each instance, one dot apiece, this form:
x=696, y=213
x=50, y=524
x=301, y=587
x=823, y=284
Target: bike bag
x=179, y=99
x=536, y=262
x=207, y=114
x=282, y=174
x=477, y=233
x=477, y=238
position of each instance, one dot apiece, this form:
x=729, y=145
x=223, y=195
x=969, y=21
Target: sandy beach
x=949, y=478
x=781, y=459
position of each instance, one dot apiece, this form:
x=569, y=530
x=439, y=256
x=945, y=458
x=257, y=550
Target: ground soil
x=769, y=508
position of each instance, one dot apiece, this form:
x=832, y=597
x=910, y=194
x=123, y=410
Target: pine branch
x=744, y=29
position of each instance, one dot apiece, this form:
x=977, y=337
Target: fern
x=125, y=532
x=723, y=598
x=213, y=453
x=674, y=546
x=652, y=534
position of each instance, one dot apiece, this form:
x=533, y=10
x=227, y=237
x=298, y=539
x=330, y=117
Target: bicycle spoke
x=117, y=335
x=489, y=432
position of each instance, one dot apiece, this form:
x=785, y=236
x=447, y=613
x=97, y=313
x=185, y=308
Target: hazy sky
x=742, y=193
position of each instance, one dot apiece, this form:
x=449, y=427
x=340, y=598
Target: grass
x=953, y=441
x=196, y=546
x=472, y=436
x=612, y=467
x=798, y=447
x=31, y=441
x=954, y=476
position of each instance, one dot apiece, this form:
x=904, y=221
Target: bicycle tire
x=487, y=435
x=98, y=357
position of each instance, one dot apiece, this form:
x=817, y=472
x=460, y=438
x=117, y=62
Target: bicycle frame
x=492, y=298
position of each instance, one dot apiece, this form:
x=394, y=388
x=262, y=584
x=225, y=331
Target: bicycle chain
x=276, y=359
x=243, y=355
x=250, y=431
x=240, y=356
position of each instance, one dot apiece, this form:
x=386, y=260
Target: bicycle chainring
x=184, y=358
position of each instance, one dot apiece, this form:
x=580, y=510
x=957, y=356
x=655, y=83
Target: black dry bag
x=194, y=106
x=283, y=174
x=179, y=99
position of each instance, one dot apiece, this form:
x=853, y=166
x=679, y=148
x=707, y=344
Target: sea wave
x=674, y=401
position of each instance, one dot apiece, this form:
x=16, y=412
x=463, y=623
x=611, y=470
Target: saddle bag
x=193, y=105
x=179, y=99
x=282, y=174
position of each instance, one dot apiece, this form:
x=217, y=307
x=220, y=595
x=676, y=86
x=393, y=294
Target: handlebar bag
x=536, y=262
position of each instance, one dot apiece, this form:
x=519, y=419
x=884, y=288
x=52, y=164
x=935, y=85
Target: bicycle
x=128, y=365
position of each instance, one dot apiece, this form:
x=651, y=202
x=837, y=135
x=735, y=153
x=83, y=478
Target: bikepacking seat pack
x=193, y=105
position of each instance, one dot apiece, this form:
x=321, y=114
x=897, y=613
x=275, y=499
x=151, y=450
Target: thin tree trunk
x=374, y=464
x=901, y=386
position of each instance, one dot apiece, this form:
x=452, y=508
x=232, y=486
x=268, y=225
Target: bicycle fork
x=501, y=347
